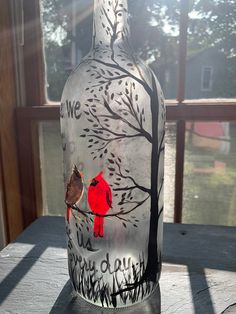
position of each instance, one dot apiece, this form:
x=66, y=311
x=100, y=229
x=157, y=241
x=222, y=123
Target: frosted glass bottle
x=112, y=124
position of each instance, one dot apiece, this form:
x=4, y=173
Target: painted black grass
x=94, y=288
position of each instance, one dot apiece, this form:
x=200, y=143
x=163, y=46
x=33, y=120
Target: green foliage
x=55, y=24
x=56, y=72
x=150, y=37
x=154, y=29
x=213, y=24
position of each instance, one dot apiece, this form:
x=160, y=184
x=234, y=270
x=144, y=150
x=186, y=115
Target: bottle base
x=150, y=303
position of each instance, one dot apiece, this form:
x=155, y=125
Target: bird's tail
x=68, y=213
x=98, y=228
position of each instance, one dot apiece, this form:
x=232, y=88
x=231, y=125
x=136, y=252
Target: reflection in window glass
x=210, y=173
x=211, y=56
x=67, y=29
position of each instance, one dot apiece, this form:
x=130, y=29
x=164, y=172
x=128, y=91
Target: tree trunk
x=152, y=262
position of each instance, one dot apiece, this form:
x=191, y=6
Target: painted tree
x=115, y=65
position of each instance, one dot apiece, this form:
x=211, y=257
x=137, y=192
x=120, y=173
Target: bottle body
x=112, y=122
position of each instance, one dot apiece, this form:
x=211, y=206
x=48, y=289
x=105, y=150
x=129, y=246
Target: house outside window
x=206, y=78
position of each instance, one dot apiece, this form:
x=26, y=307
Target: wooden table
x=199, y=272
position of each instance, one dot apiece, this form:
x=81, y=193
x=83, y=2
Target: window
x=206, y=79
x=68, y=37
x=210, y=173
x=191, y=48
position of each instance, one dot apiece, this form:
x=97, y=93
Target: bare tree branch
x=117, y=215
x=116, y=116
x=108, y=78
x=161, y=146
x=120, y=68
x=159, y=192
x=104, y=128
x=136, y=185
x=100, y=126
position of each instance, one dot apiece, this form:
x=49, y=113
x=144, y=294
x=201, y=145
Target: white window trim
x=202, y=77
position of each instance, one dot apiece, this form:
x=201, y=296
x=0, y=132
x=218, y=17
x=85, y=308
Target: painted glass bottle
x=112, y=123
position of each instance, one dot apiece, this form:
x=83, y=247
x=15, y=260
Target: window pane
x=169, y=183
x=211, y=55
x=51, y=168
x=67, y=30
x=210, y=173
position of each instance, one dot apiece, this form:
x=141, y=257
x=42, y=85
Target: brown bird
x=74, y=191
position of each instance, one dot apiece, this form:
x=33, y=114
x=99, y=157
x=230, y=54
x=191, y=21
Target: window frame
x=37, y=109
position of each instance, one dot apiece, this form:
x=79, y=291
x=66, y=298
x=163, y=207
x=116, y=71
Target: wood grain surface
x=8, y=150
x=198, y=276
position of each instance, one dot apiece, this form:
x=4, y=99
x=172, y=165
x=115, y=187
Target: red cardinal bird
x=100, y=201
x=74, y=191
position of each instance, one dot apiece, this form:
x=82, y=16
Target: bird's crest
x=77, y=172
x=100, y=174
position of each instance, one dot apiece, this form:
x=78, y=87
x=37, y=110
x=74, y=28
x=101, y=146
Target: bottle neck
x=110, y=24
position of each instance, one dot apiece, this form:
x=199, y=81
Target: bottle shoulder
x=100, y=69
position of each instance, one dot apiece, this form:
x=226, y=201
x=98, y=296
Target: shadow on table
x=8, y=284
x=194, y=254
x=66, y=303
x=40, y=245
x=198, y=254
